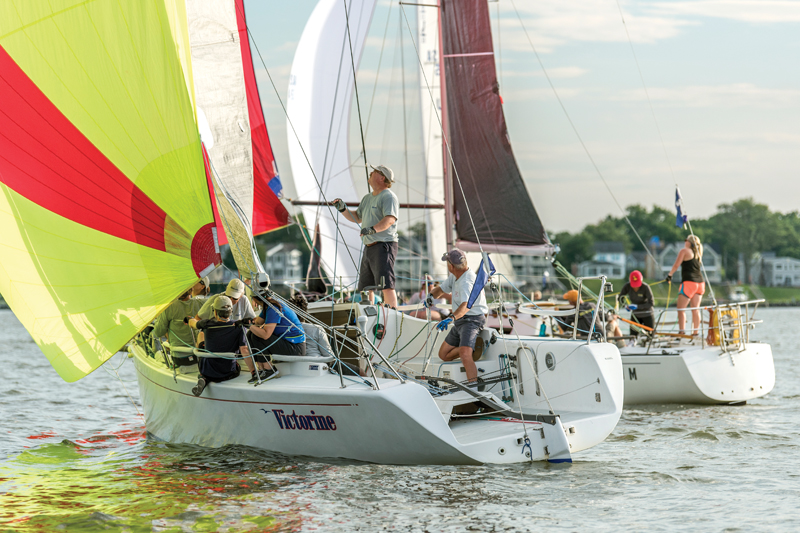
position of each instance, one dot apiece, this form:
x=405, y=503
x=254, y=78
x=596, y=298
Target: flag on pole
x=485, y=271
x=680, y=218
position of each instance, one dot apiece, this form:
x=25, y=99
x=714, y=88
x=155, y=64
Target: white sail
x=221, y=100
x=431, y=108
x=318, y=106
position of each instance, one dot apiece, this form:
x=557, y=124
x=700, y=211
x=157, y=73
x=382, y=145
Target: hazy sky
x=722, y=76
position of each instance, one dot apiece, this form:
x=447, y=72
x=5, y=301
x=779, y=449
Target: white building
x=284, y=262
x=609, y=260
x=767, y=269
x=535, y=271
x=411, y=264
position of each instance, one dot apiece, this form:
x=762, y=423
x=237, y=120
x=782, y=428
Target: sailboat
x=110, y=210
x=528, y=375
x=725, y=367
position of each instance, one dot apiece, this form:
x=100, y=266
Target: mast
x=447, y=163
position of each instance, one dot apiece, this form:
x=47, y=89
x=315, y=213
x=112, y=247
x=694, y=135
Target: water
x=74, y=457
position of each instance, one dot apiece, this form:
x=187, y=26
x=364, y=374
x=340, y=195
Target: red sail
x=502, y=210
x=268, y=211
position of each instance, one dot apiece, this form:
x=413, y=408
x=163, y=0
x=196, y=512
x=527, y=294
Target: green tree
x=744, y=227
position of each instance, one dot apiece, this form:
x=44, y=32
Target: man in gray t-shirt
x=377, y=213
x=467, y=321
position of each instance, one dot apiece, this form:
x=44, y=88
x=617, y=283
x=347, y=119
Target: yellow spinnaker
x=105, y=212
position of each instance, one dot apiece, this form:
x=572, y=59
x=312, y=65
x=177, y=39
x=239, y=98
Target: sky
x=713, y=105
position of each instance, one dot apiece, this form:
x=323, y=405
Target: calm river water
x=74, y=457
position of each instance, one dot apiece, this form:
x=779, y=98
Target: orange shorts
x=692, y=288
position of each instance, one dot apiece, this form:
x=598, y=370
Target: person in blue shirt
x=276, y=331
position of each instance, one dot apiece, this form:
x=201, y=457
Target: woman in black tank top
x=692, y=284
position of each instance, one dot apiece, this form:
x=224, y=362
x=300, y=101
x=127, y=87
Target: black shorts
x=646, y=320
x=273, y=346
x=465, y=331
x=377, y=262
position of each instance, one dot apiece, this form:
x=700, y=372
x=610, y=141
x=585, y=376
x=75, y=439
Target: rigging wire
x=578, y=135
x=378, y=71
x=646, y=92
x=660, y=137
x=355, y=87
x=297, y=137
x=445, y=141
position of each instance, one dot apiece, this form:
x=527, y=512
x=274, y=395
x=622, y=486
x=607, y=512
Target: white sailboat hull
x=693, y=374
x=306, y=412
x=584, y=387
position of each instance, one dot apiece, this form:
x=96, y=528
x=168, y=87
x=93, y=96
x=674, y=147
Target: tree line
x=742, y=227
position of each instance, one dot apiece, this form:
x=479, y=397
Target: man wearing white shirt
x=467, y=321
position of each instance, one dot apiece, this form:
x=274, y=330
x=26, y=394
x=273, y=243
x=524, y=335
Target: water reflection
x=76, y=457
x=124, y=482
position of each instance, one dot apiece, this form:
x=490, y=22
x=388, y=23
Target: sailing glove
x=340, y=205
x=429, y=301
x=668, y=279
x=442, y=326
x=368, y=231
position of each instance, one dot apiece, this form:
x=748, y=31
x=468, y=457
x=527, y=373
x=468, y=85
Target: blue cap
x=455, y=257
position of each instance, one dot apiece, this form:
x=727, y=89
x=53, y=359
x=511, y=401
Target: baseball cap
x=223, y=303
x=455, y=257
x=635, y=279
x=235, y=288
x=386, y=171
x=205, y=281
x=571, y=296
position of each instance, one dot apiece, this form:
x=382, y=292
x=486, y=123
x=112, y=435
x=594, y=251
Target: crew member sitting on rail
x=242, y=308
x=317, y=344
x=222, y=335
x=377, y=213
x=276, y=332
x=467, y=322
x=171, y=323
x=201, y=289
x=585, y=313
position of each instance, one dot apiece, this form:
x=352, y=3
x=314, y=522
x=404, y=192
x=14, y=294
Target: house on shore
x=772, y=271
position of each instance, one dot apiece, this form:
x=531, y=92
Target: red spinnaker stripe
x=268, y=211
x=46, y=159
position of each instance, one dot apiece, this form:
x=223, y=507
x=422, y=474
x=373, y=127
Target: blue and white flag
x=680, y=218
x=481, y=278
